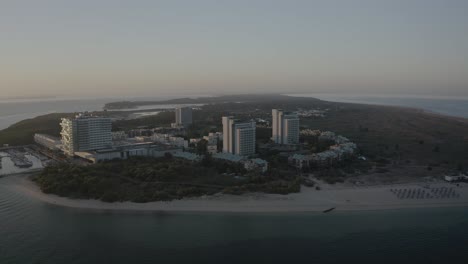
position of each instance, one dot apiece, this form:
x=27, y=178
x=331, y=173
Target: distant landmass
x=396, y=132
x=202, y=100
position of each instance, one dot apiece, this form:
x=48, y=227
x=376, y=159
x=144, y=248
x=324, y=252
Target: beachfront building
x=119, y=135
x=256, y=164
x=456, y=177
x=213, y=138
x=336, y=153
x=131, y=149
x=183, y=117
x=85, y=132
x=50, y=142
x=170, y=140
x=238, y=137
x=187, y=156
x=285, y=127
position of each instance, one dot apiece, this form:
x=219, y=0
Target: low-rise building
x=187, y=156
x=327, y=136
x=228, y=157
x=139, y=132
x=310, y=132
x=127, y=151
x=456, y=178
x=249, y=164
x=142, y=139
x=47, y=141
x=256, y=164
x=119, y=135
x=212, y=149
x=336, y=153
x=171, y=140
x=300, y=161
x=195, y=140
x=213, y=138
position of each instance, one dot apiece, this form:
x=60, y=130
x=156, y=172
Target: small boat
x=329, y=210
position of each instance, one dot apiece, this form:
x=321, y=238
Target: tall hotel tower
x=238, y=138
x=85, y=133
x=183, y=116
x=285, y=127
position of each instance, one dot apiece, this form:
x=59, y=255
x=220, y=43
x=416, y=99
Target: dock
x=18, y=158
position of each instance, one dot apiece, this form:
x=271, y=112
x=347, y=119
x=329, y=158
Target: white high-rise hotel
x=86, y=133
x=238, y=138
x=285, y=127
x=183, y=116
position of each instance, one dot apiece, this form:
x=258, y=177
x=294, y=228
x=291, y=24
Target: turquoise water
x=34, y=232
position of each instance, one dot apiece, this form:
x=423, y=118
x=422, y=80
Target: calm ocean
x=34, y=232
x=12, y=111
x=452, y=106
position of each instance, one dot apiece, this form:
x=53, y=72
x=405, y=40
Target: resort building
x=50, y=142
x=85, y=133
x=249, y=164
x=238, y=138
x=119, y=135
x=183, y=117
x=335, y=154
x=256, y=164
x=187, y=156
x=285, y=127
x=170, y=140
x=146, y=149
x=213, y=138
x=456, y=177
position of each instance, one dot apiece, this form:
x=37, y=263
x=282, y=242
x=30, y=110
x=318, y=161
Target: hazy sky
x=150, y=47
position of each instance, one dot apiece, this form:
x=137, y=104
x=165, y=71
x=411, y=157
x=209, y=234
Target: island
x=347, y=149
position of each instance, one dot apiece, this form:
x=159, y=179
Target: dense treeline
x=22, y=133
x=162, y=119
x=148, y=179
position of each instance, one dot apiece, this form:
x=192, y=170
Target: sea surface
x=452, y=106
x=13, y=111
x=34, y=232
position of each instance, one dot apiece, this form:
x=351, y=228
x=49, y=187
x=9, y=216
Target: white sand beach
x=308, y=200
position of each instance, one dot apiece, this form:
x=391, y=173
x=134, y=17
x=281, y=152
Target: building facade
x=85, y=133
x=183, y=117
x=238, y=138
x=285, y=127
x=50, y=142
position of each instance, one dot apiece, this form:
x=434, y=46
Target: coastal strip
x=308, y=200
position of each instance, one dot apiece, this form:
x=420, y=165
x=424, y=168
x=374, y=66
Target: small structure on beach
x=456, y=178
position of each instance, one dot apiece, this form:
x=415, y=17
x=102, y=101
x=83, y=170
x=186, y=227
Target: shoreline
x=308, y=200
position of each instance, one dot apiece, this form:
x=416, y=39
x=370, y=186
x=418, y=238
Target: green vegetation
x=398, y=133
x=164, y=179
x=159, y=120
x=22, y=133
